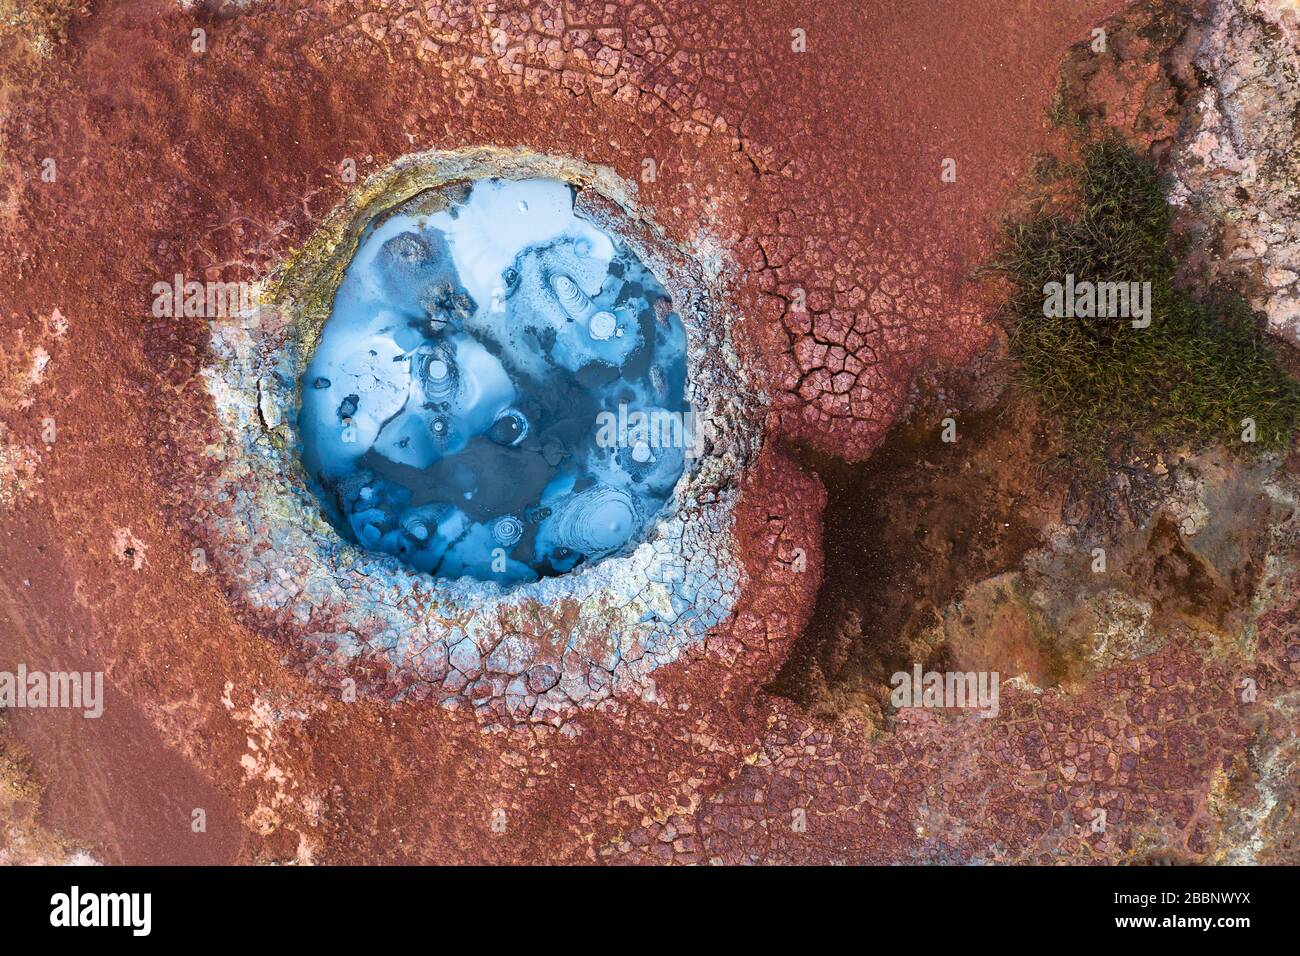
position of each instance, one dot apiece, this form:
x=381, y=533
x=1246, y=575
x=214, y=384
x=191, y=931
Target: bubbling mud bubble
x=467, y=409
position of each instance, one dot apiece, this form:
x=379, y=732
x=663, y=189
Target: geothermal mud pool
x=461, y=410
x=474, y=453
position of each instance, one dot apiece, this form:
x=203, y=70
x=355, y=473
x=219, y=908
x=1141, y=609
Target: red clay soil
x=819, y=170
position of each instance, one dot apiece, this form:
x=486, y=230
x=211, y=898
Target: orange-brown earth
x=818, y=170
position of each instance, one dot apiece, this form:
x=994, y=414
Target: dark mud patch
x=907, y=532
x=981, y=555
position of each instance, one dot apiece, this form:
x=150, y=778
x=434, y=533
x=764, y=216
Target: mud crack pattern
x=810, y=184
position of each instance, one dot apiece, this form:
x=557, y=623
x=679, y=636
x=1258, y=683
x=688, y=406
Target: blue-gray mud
x=499, y=390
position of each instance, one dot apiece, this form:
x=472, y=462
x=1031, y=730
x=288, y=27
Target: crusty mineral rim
x=622, y=616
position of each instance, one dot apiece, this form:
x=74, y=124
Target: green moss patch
x=1193, y=375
